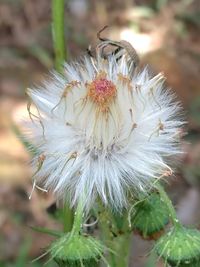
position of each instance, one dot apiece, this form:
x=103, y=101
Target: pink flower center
x=102, y=91
x=103, y=86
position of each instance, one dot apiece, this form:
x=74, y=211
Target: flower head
x=180, y=247
x=150, y=216
x=76, y=251
x=103, y=130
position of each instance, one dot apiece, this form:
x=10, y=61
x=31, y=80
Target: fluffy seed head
x=102, y=130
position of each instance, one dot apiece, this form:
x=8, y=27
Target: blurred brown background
x=165, y=33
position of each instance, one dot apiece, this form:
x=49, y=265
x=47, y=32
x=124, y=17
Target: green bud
x=150, y=217
x=180, y=247
x=76, y=250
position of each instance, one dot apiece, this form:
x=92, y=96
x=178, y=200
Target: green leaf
x=23, y=254
x=151, y=262
x=47, y=231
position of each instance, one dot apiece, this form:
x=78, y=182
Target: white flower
x=103, y=131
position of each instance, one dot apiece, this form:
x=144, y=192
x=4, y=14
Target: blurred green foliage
x=151, y=261
x=23, y=260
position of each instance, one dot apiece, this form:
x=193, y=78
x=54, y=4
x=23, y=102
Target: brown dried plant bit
x=125, y=80
x=43, y=130
x=92, y=50
x=119, y=47
x=151, y=93
x=160, y=127
x=72, y=156
x=134, y=126
x=29, y=103
x=154, y=236
x=68, y=124
x=180, y=133
x=67, y=88
x=130, y=51
x=99, y=34
x=41, y=160
x=132, y=118
x=166, y=173
x=138, y=90
x=109, y=47
x=82, y=101
x=131, y=113
x=158, y=79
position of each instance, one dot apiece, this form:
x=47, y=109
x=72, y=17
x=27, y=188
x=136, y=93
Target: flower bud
x=180, y=247
x=74, y=250
x=151, y=217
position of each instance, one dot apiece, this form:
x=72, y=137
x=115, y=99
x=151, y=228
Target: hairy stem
x=68, y=218
x=78, y=219
x=58, y=33
x=115, y=233
x=121, y=248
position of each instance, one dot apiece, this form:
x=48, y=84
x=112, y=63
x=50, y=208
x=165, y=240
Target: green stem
x=169, y=204
x=60, y=56
x=68, y=218
x=121, y=247
x=120, y=241
x=58, y=33
x=78, y=219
